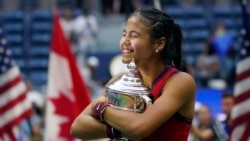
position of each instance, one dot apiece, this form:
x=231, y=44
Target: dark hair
x=227, y=95
x=162, y=25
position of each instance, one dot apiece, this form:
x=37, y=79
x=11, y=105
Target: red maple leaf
x=64, y=108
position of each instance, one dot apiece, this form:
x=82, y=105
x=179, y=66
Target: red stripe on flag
x=242, y=97
x=11, y=135
x=246, y=133
x=243, y=75
x=10, y=84
x=12, y=103
x=240, y=119
x=16, y=121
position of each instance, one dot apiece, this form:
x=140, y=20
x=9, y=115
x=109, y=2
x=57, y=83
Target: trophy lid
x=130, y=83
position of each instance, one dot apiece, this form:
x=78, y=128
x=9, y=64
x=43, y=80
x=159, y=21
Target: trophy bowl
x=128, y=92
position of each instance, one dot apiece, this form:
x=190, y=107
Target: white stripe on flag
x=243, y=65
x=12, y=93
x=240, y=109
x=9, y=75
x=14, y=112
x=6, y=137
x=242, y=86
x=238, y=131
x=16, y=131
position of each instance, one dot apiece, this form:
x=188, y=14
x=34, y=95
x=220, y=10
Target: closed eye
x=132, y=34
x=124, y=33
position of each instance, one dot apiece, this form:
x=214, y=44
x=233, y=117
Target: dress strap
x=157, y=89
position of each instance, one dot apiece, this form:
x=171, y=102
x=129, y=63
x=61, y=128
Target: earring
x=156, y=50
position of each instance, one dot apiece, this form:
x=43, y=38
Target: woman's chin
x=126, y=60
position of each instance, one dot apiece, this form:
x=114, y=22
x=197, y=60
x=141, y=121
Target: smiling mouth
x=127, y=51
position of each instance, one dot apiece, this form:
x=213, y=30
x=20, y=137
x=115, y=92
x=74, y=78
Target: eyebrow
x=132, y=31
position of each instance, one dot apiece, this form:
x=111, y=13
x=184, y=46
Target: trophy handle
x=147, y=100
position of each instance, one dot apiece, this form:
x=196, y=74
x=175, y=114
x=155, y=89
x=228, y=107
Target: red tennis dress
x=177, y=127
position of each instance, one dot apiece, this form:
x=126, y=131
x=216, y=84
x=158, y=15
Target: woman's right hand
x=99, y=99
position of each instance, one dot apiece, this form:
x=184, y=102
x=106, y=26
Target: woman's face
x=136, y=42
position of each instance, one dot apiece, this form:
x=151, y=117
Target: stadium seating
x=28, y=4
x=13, y=28
x=42, y=16
x=40, y=39
x=13, y=23
x=13, y=17
x=41, y=27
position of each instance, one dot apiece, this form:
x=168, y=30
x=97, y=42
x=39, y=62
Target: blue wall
x=210, y=97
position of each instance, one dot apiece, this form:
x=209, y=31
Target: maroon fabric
x=177, y=127
x=99, y=110
x=112, y=133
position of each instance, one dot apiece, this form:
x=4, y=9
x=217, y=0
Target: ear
x=160, y=44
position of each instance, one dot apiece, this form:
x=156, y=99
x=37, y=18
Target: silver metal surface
x=128, y=92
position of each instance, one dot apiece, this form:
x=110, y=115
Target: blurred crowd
x=217, y=60
x=214, y=66
x=207, y=127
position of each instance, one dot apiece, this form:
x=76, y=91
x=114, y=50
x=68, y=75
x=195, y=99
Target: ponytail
x=172, y=51
x=177, y=57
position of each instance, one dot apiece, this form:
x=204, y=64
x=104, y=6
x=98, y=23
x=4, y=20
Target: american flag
x=13, y=104
x=241, y=111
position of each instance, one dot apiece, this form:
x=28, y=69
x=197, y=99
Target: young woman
x=153, y=39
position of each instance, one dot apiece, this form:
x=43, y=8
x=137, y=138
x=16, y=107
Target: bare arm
x=177, y=96
x=85, y=126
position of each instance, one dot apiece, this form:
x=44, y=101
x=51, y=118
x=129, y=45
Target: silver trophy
x=128, y=92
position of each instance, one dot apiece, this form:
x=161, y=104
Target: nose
x=126, y=41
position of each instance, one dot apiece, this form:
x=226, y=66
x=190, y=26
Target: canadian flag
x=67, y=95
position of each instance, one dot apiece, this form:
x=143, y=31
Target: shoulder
x=179, y=92
x=181, y=81
x=185, y=78
x=180, y=75
x=181, y=89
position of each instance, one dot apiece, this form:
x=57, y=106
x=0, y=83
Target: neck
x=150, y=74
